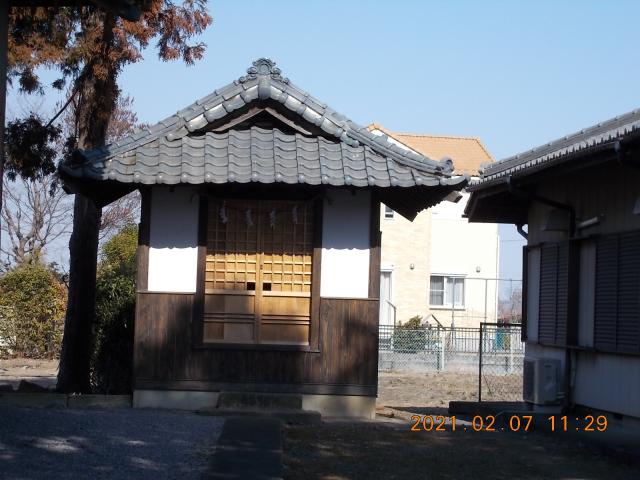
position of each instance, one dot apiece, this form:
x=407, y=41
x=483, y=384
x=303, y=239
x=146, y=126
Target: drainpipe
x=518, y=192
x=521, y=231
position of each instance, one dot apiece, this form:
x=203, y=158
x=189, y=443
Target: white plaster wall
x=458, y=247
x=173, y=240
x=345, y=244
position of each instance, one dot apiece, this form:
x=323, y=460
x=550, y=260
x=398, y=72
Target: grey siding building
x=580, y=198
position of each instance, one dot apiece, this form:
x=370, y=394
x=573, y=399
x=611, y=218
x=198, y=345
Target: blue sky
x=515, y=74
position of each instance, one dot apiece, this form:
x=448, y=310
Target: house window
x=617, y=283
x=446, y=291
x=258, y=272
x=553, y=294
x=388, y=212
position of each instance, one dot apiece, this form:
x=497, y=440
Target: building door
x=258, y=271
x=386, y=307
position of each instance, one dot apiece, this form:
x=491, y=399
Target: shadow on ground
x=118, y=444
x=375, y=450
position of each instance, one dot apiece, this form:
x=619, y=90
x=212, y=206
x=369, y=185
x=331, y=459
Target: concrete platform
x=346, y=406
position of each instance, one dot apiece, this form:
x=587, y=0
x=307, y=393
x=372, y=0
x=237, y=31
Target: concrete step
x=289, y=416
x=258, y=400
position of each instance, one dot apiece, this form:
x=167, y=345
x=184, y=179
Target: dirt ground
x=374, y=450
x=394, y=389
x=42, y=372
x=425, y=389
x=438, y=389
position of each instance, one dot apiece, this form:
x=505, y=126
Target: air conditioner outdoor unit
x=541, y=380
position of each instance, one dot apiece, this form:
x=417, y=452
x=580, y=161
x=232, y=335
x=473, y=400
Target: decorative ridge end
x=263, y=67
x=484, y=166
x=447, y=165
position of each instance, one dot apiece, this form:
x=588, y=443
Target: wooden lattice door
x=258, y=271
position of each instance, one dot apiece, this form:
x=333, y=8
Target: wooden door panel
x=285, y=306
x=229, y=303
x=258, y=271
x=285, y=333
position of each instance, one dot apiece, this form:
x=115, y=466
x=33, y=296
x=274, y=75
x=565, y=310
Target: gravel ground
x=114, y=444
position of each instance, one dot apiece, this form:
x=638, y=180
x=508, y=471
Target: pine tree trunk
x=77, y=344
x=97, y=101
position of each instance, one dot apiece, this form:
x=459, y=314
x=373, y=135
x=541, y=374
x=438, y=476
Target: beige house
x=439, y=266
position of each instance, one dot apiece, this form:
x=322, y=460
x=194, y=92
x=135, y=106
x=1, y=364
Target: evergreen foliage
x=111, y=369
x=32, y=308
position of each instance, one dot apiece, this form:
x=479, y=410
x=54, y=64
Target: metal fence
x=493, y=353
x=500, y=362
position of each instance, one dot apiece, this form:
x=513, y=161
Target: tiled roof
x=469, y=155
x=256, y=155
x=181, y=150
x=560, y=150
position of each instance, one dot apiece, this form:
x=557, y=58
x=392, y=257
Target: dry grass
x=438, y=389
x=425, y=389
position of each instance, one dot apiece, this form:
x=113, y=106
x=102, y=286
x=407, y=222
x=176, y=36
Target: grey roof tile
x=557, y=151
x=178, y=149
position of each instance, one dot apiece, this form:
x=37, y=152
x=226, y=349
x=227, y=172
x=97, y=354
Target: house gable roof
x=468, y=154
x=492, y=198
x=558, y=151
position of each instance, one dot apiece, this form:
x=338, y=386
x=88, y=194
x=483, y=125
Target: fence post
x=453, y=314
x=486, y=294
x=443, y=335
x=511, y=330
x=480, y=365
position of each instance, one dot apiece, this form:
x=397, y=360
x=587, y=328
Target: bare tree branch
x=124, y=211
x=33, y=218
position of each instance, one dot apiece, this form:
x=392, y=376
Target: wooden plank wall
x=345, y=363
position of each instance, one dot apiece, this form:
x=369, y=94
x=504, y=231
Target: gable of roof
x=493, y=197
x=560, y=150
x=220, y=139
x=263, y=82
x=468, y=154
